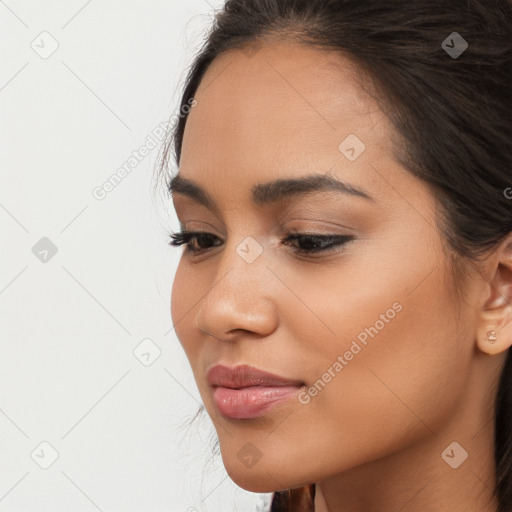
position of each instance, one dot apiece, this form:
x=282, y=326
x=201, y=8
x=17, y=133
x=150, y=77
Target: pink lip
x=244, y=392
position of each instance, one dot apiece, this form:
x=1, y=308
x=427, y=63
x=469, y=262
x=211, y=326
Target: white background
x=69, y=325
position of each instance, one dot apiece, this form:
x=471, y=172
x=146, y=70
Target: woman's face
x=369, y=327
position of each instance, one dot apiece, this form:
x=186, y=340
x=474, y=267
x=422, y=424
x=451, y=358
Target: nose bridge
x=241, y=270
x=243, y=254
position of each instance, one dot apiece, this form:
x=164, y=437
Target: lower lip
x=251, y=402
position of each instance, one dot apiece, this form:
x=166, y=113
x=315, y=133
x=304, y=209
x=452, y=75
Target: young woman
x=345, y=199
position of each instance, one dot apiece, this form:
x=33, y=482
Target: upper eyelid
x=285, y=232
x=326, y=224
x=192, y=233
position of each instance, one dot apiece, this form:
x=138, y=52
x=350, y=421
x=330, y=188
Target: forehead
x=280, y=112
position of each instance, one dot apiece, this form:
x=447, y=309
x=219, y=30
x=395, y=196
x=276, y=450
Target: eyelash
x=335, y=245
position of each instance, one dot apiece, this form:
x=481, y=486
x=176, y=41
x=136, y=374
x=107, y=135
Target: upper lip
x=244, y=375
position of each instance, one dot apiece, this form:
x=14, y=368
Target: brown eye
x=314, y=243
x=203, y=239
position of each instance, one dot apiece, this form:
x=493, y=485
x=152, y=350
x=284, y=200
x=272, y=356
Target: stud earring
x=491, y=336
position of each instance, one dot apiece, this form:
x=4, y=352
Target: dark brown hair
x=452, y=114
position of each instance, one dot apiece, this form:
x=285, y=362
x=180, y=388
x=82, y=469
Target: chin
x=262, y=477
x=253, y=479
x=256, y=485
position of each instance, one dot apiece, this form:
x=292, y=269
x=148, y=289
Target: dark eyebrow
x=272, y=191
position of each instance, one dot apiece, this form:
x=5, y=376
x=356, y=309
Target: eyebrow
x=272, y=191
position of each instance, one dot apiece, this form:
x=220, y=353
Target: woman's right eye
x=186, y=237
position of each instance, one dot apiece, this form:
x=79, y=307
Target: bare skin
x=375, y=437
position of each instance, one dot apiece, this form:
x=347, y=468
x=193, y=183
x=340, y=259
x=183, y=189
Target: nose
x=241, y=299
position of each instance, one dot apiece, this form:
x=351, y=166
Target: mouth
x=250, y=402
x=244, y=392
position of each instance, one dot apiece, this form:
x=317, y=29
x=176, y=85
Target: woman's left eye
x=311, y=243
x=318, y=243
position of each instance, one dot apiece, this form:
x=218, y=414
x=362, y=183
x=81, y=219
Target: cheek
x=402, y=367
x=183, y=299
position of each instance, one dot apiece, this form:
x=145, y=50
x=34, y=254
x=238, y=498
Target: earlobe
x=495, y=341
x=495, y=330
x=494, y=334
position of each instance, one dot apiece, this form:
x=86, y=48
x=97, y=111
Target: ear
x=494, y=332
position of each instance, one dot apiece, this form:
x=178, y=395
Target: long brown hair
x=452, y=112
